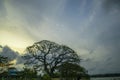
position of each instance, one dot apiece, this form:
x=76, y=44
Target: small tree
x=71, y=71
x=47, y=56
x=3, y=60
x=46, y=77
x=3, y=63
x=28, y=72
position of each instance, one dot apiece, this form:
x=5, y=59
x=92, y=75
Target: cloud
x=102, y=54
x=2, y=8
x=89, y=27
x=7, y=52
x=111, y=5
x=11, y=54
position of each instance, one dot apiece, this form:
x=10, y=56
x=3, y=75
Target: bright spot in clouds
x=15, y=41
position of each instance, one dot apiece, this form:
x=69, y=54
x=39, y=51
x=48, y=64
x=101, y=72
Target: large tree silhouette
x=48, y=56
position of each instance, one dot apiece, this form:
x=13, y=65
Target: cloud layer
x=13, y=57
x=89, y=27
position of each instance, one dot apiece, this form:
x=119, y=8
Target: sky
x=90, y=27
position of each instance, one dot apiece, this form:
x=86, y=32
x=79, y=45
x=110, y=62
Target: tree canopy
x=3, y=59
x=48, y=56
x=28, y=72
x=71, y=71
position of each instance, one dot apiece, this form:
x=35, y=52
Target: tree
x=28, y=73
x=47, y=56
x=72, y=71
x=46, y=77
x=3, y=63
x=3, y=60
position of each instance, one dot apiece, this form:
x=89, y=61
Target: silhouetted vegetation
x=3, y=59
x=71, y=71
x=28, y=73
x=3, y=62
x=46, y=77
x=50, y=59
x=48, y=56
x=106, y=75
x=54, y=60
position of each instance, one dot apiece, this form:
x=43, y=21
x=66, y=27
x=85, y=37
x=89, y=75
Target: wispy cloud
x=89, y=27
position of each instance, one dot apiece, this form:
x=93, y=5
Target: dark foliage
x=48, y=56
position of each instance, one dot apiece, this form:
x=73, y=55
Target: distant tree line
x=106, y=75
